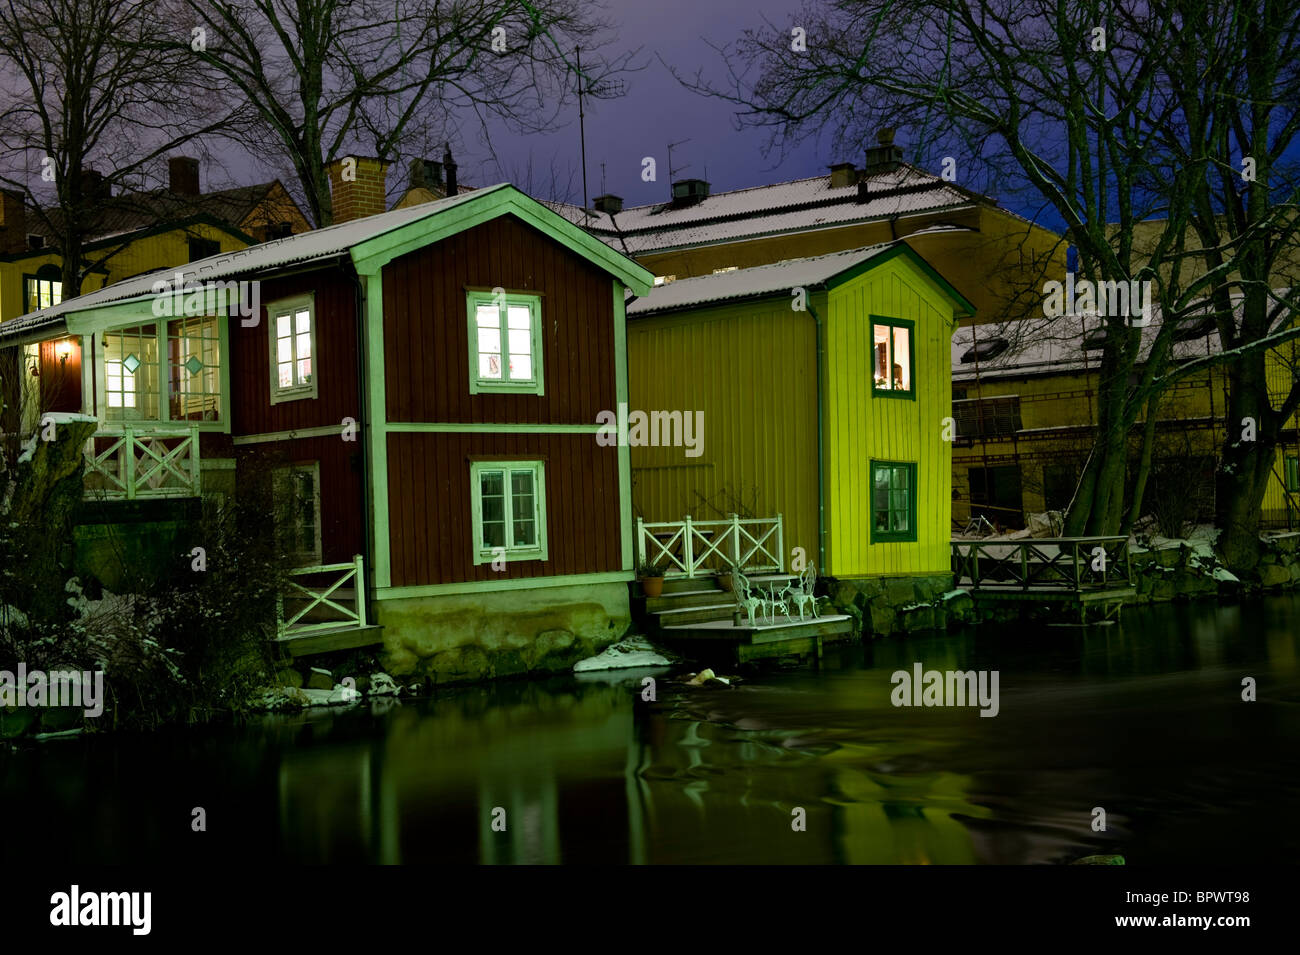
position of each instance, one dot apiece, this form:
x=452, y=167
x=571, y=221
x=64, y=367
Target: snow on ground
x=625, y=655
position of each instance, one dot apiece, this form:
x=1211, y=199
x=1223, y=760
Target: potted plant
x=726, y=580
x=652, y=579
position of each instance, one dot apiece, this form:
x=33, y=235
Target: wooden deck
x=695, y=617
x=1080, y=578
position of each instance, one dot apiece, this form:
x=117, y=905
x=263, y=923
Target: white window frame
x=486, y=555
x=299, y=391
x=504, y=385
x=93, y=344
x=283, y=476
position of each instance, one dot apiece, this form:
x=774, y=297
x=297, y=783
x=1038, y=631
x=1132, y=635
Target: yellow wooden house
x=138, y=233
x=821, y=391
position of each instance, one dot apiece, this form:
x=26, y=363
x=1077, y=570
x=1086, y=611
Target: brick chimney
x=449, y=165
x=363, y=193
x=13, y=222
x=183, y=176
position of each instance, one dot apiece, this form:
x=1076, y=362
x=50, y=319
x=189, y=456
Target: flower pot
x=726, y=582
x=652, y=586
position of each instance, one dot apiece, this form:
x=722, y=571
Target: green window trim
x=1292, y=473
x=510, y=514
x=900, y=491
x=909, y=370
x=534, y=384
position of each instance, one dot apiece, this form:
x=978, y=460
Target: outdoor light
x=63, y=349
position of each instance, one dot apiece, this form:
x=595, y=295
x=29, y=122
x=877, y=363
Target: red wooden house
x=426, y=383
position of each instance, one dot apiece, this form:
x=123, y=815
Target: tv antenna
x=673, y=171
x=602, y=89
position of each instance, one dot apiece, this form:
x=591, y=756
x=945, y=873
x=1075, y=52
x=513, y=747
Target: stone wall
x=880, y=606
x=462, y=638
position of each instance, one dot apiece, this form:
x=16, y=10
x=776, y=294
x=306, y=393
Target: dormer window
x=985, y=350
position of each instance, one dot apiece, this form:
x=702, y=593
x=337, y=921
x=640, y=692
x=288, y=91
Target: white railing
x=317, y=602
x=142, y=463
x=685, y=548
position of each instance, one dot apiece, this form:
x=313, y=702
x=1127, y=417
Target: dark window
x=893, y=501
x=987, y=417
x=203, y=248
x=35, y=242
x=985, y=350
x=279, y=230
x=995, y=495
x=1293, y=474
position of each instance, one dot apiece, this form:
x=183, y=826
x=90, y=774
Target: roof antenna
x=672, y=173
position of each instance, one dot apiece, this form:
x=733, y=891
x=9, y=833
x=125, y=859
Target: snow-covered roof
x=312, y=246
x=1042, y=345
x=775, y=209
x=753, y=282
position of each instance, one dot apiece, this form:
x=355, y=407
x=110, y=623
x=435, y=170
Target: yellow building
x=1025, y=404
x=138, y=233
x=820, y=387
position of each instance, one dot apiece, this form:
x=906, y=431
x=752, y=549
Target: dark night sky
x=658, y=110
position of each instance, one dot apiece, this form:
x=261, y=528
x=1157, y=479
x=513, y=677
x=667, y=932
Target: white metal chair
x=803, y=594
x=746, y=600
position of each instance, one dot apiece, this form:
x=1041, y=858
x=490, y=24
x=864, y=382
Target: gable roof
x=370, y=242
x=784, y=207
x=765, y=280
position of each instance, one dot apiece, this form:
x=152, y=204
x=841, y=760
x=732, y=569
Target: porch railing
x=1061, y=563
x=322, y=603
x=143, y=463
x=688, y=547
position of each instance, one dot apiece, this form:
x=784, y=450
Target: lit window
x=131, y=373
x=505, y=343
x=43, y=289
x=293, y=348
x=893, y=501
x=891, y=341
x=509, y=510
x=298, y=512
x=194, y=368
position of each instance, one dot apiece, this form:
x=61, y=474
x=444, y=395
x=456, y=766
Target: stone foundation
x=880, y=606
x=463, y=638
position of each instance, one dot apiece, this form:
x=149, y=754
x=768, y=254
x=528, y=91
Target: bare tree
x=84, y=86
x=327, y=77
x=1111, y=114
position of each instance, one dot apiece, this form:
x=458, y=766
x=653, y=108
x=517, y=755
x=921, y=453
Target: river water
x=1144, y=720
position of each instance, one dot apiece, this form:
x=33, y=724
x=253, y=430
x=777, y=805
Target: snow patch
x=625, y=655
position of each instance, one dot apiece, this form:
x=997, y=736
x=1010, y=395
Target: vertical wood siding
x=430, y=505
x=335, y=361
x=751, y=368
x=861, y=426
x=426, y=332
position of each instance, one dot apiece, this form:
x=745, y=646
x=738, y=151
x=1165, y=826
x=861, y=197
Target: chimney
x=689, y=192
x=13, y=222
x=93, y=186
x=183, y=176
x=884, y=157
x=843, y=175
x=426, y=174
x=363, y=193
x=450, y=168
x=609, y=204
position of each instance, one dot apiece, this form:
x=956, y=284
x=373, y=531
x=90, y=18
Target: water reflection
x=1143, y=718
